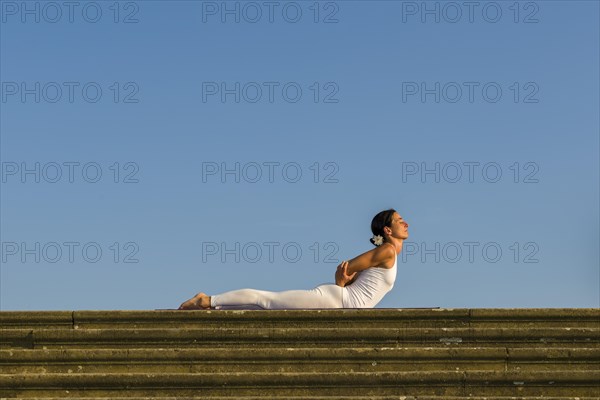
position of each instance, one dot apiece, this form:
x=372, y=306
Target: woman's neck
x=397, y=243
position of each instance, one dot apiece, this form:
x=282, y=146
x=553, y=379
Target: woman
x=360, y=283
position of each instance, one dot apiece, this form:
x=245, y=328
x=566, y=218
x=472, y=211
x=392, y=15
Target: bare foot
x=198, y=302
x=190, y=304
x=205, y=301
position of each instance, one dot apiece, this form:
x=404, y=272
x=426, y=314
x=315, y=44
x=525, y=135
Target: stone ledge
x=317, y=397
x=340, y=318
x=411, y=354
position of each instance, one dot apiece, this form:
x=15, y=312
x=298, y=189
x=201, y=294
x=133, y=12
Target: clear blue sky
x=362, y=97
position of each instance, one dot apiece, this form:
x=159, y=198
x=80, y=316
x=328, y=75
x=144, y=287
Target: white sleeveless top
x=369, y=287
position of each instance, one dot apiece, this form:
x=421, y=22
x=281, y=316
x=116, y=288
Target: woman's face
x=399, y=227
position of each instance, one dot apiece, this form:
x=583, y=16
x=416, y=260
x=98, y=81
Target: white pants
x=326, y=295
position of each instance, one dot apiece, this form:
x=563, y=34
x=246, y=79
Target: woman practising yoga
x=360, y=283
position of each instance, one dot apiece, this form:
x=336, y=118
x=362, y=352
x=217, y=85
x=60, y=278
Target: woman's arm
x=356, y=274
x=380, y=256
x=342, y=278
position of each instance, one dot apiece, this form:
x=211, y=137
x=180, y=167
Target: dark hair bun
x=381, y=220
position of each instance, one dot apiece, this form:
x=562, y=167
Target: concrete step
x=432, y=354
x=318, y=397
x=324, y=335
x=482, y=383
x=240, y=359
x=376, y=318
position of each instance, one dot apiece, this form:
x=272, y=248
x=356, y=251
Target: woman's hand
x=341, y=274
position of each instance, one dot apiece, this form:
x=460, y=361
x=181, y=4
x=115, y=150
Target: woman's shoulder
x=388, y=253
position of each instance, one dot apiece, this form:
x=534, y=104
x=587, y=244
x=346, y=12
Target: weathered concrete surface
x=425, y=354
x=446, y=317
x=19, y=361
x=308, y=336
x=275, y=397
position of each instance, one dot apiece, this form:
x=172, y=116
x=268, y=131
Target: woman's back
x=369, y=287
